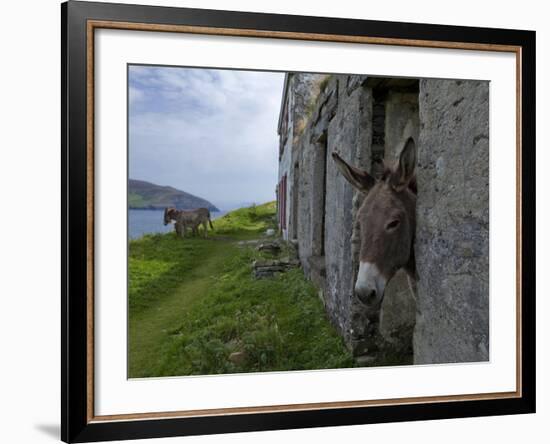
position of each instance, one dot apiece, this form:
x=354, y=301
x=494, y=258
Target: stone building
x=364, y=119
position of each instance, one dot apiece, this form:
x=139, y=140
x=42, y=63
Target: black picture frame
x=76, y=424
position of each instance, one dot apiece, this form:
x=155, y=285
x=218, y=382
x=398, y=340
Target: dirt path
x=150, y=330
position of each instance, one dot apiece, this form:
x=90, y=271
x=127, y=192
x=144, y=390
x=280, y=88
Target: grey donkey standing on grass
x=183, y=219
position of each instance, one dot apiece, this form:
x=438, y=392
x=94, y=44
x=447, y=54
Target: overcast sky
x=212, y=133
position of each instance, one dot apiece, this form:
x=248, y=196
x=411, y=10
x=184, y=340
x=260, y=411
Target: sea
x=142, y=222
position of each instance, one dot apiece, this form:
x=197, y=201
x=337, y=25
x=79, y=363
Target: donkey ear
x=360, y=179
x=404, y=173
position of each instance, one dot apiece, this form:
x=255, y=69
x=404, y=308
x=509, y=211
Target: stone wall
x=342, y=119
x=302, y=89
x=349, y=134
x=365, y=120
x=452, y=239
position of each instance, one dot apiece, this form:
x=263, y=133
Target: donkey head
x=387, y=223
x=169, y=215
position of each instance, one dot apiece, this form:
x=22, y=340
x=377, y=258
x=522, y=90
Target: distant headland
x=144, y=195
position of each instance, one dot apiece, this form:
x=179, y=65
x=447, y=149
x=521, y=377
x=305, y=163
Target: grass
x=245, y=222
x=193, y=303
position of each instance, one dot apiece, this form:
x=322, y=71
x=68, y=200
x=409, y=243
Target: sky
x=211, y=133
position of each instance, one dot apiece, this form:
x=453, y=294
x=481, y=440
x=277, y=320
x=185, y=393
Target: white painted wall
x=29, y=240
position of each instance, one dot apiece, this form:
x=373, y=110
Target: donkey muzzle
x=370, y=284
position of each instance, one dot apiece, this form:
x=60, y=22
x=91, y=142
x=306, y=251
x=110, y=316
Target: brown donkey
x=183, y=219
x=387, y=222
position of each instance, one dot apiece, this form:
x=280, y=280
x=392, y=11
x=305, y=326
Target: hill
x=147, y=195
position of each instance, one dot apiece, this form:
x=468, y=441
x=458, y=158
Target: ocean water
x=142, y=222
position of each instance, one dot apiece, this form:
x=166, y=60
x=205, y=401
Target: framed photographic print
x=277, y=221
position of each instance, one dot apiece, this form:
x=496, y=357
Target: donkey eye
x=393, y=224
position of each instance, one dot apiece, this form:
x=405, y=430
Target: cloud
x=134, y=95
x=209, y=132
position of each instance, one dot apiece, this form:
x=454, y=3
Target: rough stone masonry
x=452, y=239
x=364, y=119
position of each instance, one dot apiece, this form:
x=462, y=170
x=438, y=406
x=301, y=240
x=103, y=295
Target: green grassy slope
x=193, y=302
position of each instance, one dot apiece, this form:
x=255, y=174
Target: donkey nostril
x=371, y=296
x=367, y=297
